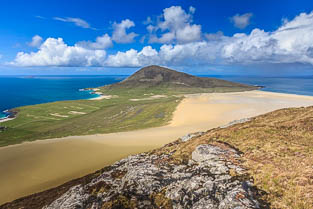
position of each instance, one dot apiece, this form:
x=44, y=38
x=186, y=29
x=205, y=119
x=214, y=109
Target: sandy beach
x=35, y=166
x=5, y=119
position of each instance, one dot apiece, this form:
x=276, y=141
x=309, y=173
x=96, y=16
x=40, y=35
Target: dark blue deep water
x=25, y=90
x=292, y=85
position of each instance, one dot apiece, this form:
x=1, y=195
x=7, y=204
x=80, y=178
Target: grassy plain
x=128, y=111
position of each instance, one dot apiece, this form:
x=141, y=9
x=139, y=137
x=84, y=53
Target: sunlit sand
x=35, y=166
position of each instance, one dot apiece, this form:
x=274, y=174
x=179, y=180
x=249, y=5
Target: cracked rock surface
x=211, y=178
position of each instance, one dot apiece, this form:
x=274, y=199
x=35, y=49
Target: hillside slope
x=265, y=162
x=157, y=76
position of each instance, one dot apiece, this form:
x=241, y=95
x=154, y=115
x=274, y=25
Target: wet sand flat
x=35, y=166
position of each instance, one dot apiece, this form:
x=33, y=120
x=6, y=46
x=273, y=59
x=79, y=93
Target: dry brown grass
x=277, y=150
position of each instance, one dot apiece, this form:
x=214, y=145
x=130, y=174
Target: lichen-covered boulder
x=153, y=181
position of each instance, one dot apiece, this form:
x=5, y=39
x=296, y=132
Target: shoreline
x=51, y=162
x=101, y=96
x=93, y=91
x=11, y=114
x=96, y=91
x=185, y=96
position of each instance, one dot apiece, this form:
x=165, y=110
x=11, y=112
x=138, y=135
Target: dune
x=36, y=166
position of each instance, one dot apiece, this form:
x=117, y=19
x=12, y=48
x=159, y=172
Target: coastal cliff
x=261, y=162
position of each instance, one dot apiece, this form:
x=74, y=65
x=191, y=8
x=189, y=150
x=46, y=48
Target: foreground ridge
x=151, y=181
x=260, y=162
x=212, y=178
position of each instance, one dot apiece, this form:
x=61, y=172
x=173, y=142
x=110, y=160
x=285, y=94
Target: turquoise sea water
x=25, y=90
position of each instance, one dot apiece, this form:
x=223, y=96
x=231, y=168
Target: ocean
x=28, y=90
x=18, y=91
x=302, y=85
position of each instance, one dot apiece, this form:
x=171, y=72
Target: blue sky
x=118, y=37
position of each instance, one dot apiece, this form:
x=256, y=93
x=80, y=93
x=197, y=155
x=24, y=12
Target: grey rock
x=243, y=120
x=190, y=136
x=205, y=182
x=72, y=199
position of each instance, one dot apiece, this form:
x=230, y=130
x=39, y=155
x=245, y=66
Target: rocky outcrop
x=190, y=136
x=243, y=120
x=211, y=178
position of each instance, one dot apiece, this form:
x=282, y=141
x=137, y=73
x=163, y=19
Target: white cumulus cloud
x=214, y=36
x=120, y=35
x=102, y=42
x=291, y=43
x=175, y=26
x=36, y=41
x=133, y=58
x=179, y=54
x=54, y=52
x=241, y=21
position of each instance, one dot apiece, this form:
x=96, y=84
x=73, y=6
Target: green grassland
x=83, y=117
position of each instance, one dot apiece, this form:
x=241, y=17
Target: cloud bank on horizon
x=173, y=39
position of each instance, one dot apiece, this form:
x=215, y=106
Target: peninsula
x=145, y=99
